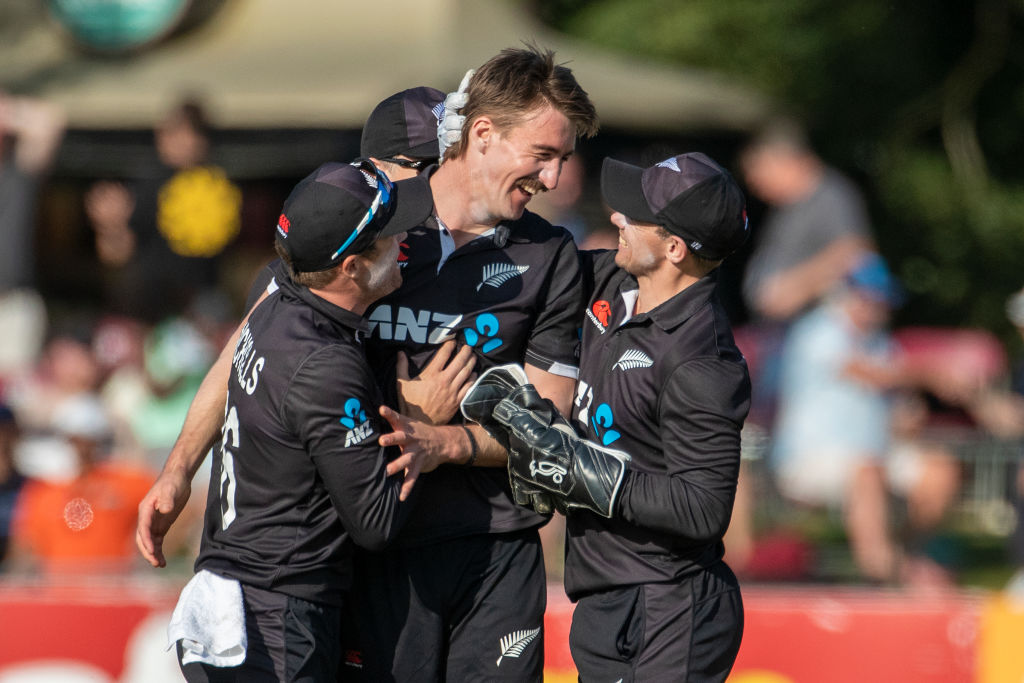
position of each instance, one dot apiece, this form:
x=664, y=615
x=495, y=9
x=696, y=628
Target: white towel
x=209, y=620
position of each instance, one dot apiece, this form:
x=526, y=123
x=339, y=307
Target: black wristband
x=472, y=445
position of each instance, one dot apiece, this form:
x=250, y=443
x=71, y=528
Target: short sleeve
x=554, y=340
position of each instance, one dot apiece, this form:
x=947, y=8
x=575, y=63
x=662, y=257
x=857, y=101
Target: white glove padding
x=547, y=455
x=449, y=128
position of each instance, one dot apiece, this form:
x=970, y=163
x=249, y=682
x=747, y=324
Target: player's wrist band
x=472, y=445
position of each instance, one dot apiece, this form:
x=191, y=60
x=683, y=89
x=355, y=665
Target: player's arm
x=701, y=413
x=556, y=388
x=330, y=405
x=462, y=445
x=162, y=505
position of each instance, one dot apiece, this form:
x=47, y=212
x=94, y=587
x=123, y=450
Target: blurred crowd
x=90, y=405
x=848, y=413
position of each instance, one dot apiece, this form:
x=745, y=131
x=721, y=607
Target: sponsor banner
x=116, y=631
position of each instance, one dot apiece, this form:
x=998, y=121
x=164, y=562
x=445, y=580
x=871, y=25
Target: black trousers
x=289, y=639
x=688, y=631
x=468, y=609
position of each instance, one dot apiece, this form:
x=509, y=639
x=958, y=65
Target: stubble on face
x=635, y=255
x=384, y=275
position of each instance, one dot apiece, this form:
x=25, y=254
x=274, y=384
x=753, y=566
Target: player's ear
x=675, y=249
x=352, y=266
x=480, y=133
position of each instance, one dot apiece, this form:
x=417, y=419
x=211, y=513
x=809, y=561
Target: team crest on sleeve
x=359, y=427
x=497, y=274
x=633, y=358
x=600, y=314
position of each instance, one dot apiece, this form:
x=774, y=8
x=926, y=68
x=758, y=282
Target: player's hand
x=434, y=395
x=422, y=448
x=546, y=454
x=158, y=511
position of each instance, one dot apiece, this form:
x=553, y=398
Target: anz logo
x=421, y=327
x=484, y=332
x=359, y=428
x=399, y=324
x=601, y=421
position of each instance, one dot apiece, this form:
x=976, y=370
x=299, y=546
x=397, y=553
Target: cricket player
x=299, y=477
x=461, y=594
x=400, y=136
x=648, y=485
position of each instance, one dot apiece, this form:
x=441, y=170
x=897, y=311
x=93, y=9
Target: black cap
x=405, y=123
x=689, y=195
x=341, y=209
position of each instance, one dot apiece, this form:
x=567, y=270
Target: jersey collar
x=677, y=310
x=343, y=317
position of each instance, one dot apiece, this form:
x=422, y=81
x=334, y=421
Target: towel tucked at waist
x=209, y=620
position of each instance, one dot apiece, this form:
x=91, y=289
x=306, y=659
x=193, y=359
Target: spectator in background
x=85, y=524
x=11, y=480
x=813, y=233
x=1000, y=410
x=175, y=358
x=65, y=370
x=832, y=434
x=30, y=134
x=161, y=237
x=815, y=229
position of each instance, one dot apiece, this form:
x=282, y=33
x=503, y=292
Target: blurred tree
x=921, y=102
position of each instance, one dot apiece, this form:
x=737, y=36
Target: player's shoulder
x=531, y=227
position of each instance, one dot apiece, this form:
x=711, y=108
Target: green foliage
x=921, y=102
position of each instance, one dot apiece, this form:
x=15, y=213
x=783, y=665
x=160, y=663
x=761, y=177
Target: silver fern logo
x=514, y=643
x=497, y=274
x=438, y=111
x=671, y=162
x=370, y=179
x=633, y=358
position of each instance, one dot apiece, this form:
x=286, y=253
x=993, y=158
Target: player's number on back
x=229, y=439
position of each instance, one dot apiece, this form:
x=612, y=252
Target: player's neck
x=349, y=298
x=658, y=286
x=454, y=201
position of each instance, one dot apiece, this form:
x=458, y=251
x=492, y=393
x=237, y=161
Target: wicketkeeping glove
x=545, y=454
x=488, y=390
x=449, y=128
x=478, y=405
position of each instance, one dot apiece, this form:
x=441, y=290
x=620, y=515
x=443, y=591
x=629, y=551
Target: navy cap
x=340, y=209
x=405, y=123
x=689, y=195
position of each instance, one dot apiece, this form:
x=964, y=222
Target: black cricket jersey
x=670, y=388
x=514, y=295
x=299, y=475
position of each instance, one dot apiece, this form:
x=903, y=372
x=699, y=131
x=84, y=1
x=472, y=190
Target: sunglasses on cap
x=414, y=164
x=378, y=207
